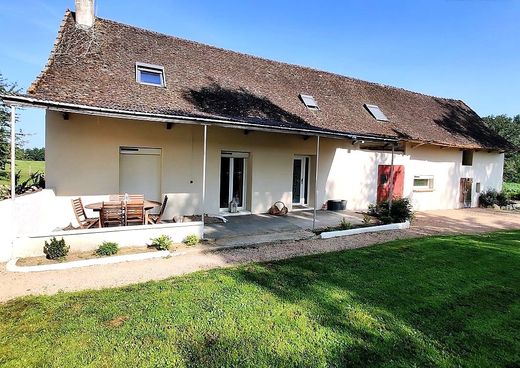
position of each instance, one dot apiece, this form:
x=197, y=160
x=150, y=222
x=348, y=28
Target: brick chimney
x=85, y=13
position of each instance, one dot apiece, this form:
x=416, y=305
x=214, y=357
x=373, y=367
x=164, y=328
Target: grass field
x=26, y=168
x=430, y=302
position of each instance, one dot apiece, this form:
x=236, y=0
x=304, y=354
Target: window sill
x=422, y=190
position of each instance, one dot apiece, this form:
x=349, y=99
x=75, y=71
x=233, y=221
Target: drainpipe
x=391, y=192
x=316, y=182
x=13, y=152
x=204, y=159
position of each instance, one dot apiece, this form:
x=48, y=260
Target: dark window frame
x=467, y=157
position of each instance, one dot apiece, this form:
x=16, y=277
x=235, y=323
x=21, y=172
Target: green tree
x=34, y=154
x=509, y=128
x=5, y=125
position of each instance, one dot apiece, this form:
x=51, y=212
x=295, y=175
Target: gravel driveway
x=96, y=277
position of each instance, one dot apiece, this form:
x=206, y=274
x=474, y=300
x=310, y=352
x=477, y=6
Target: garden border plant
x=162, y=242
x=400, y=211
x=107, y=248
x=191, y=240
x=56, y=249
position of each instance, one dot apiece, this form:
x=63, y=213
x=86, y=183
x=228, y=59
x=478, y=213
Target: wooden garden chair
x=134, y=212
x=156, y=219
x=112, y=214
x=83, y=221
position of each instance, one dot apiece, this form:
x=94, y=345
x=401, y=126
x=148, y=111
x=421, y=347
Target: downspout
x=316, y=182
x=391, y=192
x=13, y=153
x=204, y=159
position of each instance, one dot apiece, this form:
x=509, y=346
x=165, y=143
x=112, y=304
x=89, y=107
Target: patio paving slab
x=253, y=225
x=247, y=240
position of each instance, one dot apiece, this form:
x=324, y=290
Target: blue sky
x=465, y=49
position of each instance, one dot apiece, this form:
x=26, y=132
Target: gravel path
x=98, y=277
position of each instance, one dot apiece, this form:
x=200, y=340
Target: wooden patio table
x=148, y=205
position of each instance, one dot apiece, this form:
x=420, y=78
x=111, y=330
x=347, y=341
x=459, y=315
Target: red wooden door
x=383, y=181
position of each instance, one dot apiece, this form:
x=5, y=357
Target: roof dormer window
x=149, y=74
x=309, y=101
x=376, y=112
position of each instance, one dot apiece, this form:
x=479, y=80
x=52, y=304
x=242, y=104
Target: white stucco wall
x=82, y=156
x=353, y=175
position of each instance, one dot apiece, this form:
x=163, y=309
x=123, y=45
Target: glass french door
x=233, y=179
x=300, y=180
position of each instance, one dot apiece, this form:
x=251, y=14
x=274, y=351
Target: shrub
x=191, y=240
x=512, y=190
x=34, y=182
x=163, y=242
x=401, y=211
x=502, y=200
x=55, y=249
x=345, y=225
x=491, y=197
x=487, y=198
x=107, y=249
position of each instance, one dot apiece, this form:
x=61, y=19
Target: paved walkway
x=97, y=277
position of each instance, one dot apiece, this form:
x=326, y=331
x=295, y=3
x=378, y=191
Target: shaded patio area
x=263, y=224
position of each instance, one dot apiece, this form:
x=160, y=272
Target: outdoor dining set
x=119, y=210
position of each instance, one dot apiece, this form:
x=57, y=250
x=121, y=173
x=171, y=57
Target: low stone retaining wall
x=362, y=230
x=12, y=267
x=89, y=239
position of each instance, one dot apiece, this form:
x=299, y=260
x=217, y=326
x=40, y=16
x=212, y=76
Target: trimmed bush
x=491, y=197
x=55, y=249
x=191, y=240
x=401, y=211
x=107, y=249
x=163, y=242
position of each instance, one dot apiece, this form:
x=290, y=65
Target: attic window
x=467, y=157
x=309, y=101
x=376, y=112
x=149, y=74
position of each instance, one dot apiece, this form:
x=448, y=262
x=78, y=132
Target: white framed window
x=423, y=183
x=152, y=75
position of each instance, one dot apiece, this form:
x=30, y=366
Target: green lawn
x=26, y=168
x=438, y=301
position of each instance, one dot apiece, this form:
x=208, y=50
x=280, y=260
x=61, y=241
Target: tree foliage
x=509, y=128
x=5, y=125
x=32, y=154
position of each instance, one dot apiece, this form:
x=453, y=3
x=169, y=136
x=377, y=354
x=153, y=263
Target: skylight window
x=309, y=101
x=376, y=112
x=152, y=75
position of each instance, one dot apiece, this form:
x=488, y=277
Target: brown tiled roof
x=96, y=67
